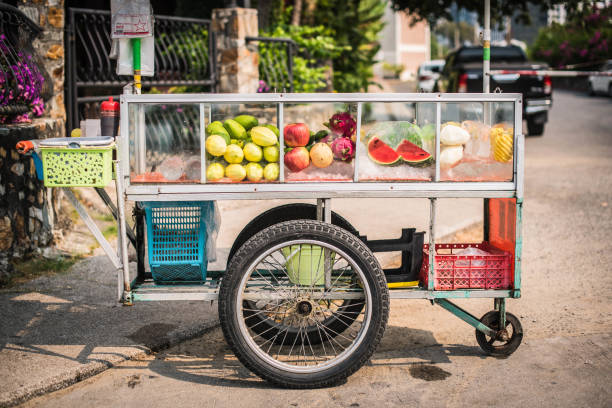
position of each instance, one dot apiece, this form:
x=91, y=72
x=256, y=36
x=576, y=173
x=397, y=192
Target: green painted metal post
x=137, y=70
x=432, y=243
x=518, y=248
x=502, y=313
x=466, y=317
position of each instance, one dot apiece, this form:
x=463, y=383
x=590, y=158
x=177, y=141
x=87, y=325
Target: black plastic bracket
x=410, y=244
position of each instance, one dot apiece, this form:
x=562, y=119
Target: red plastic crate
x=454, y=271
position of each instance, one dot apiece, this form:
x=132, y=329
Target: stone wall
x=28, y=211
x=49, y=15
x=237, y=62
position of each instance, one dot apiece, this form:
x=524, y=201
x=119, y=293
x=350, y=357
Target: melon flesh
x=412, y=154
x=381, y=153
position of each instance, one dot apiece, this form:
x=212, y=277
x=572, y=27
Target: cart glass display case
x=343, y=144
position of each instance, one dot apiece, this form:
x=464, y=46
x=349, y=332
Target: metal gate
x=184, y=56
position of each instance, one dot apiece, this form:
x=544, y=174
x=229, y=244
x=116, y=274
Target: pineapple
x=501, y=143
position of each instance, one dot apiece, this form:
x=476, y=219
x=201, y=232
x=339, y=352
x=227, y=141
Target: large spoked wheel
x=301, y=275
x=506, y=339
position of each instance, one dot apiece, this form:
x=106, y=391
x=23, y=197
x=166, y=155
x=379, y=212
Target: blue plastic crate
x=176, y=235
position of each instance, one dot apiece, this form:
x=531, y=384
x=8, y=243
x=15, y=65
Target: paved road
x=428, y=357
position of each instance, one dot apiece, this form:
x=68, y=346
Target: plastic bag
x=125, y=57
x=470, y=251
x=393, y=133
x=212, y=218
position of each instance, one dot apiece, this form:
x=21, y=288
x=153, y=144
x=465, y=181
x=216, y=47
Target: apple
x=297, y=159
x=296, y=134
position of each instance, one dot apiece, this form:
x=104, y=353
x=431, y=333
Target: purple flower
x=583, y=53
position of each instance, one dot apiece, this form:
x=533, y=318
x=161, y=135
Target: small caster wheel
x=507, y=339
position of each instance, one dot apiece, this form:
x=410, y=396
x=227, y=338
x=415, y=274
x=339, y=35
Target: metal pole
x=123, y=235
x=486, y=50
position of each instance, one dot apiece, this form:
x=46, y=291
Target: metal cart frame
x=143, y=289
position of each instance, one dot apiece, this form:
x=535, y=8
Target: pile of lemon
x=241, y=148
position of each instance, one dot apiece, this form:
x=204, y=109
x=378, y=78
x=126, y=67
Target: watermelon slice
x=413, y=154
x=381, y=153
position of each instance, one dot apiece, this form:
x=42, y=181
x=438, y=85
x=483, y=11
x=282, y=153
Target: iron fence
x=275, y=63
x=23, y=83
x=184, y=56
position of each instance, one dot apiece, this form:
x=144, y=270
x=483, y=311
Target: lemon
x=233, y=154
x=235, y=172
x=271, y=171
x=252, y=152
x=216, y=145
x=237, y=142
x=254, y=172
x=271, y=154
x=214, y=172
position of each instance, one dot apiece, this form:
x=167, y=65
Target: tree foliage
x=355, y=26
x=431, y=11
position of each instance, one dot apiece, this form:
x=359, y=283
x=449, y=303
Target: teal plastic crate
x=176, y=235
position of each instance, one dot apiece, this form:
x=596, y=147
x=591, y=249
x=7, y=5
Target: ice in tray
x=397, y=150
x=320, y=151
x=473, y=151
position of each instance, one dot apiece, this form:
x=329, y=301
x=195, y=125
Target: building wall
x=413, y=46
x=403, y=44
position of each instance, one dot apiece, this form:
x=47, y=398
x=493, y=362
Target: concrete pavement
x=428, y=357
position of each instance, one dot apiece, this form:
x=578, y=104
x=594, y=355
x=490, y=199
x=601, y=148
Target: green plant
x=33, y=268
x=355, y=26
x=393, y=69
x=315, y=46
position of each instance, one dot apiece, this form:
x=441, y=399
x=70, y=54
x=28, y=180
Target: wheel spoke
x=297, y=328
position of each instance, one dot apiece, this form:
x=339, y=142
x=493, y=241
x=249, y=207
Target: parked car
x=428, y=74
x=463, y=73
x=601, y=84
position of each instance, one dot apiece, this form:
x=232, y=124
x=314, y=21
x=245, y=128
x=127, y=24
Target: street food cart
x=303, y=301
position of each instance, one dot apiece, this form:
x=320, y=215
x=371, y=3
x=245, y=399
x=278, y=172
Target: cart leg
x=324, y=214
x=466, y=317
x=502, y=312
x=127, y=298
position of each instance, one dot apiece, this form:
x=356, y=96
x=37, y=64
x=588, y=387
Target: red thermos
x=109, y=117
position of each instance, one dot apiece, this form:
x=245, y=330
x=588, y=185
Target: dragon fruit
x=343, y=148
x=342, y=124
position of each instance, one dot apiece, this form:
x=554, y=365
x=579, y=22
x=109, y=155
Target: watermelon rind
x=374, y=143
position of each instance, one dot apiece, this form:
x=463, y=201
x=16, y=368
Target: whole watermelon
x=394, y=133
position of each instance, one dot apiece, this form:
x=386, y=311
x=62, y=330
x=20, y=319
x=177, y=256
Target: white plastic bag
x=125, y=60
x=470, y=251
x=213, y=223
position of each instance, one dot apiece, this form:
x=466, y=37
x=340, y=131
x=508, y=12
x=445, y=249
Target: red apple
x=297, y=159
x=296, y=134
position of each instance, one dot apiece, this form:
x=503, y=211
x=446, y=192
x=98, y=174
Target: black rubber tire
x=535, y=129
x=287, y=212
x=590, y=90
x=326, y=233
x=491, y=319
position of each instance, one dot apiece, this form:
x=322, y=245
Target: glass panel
x=397, y=142
x=477, y=141
x=165, y=143
x=242, y=143
x=319, y=141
